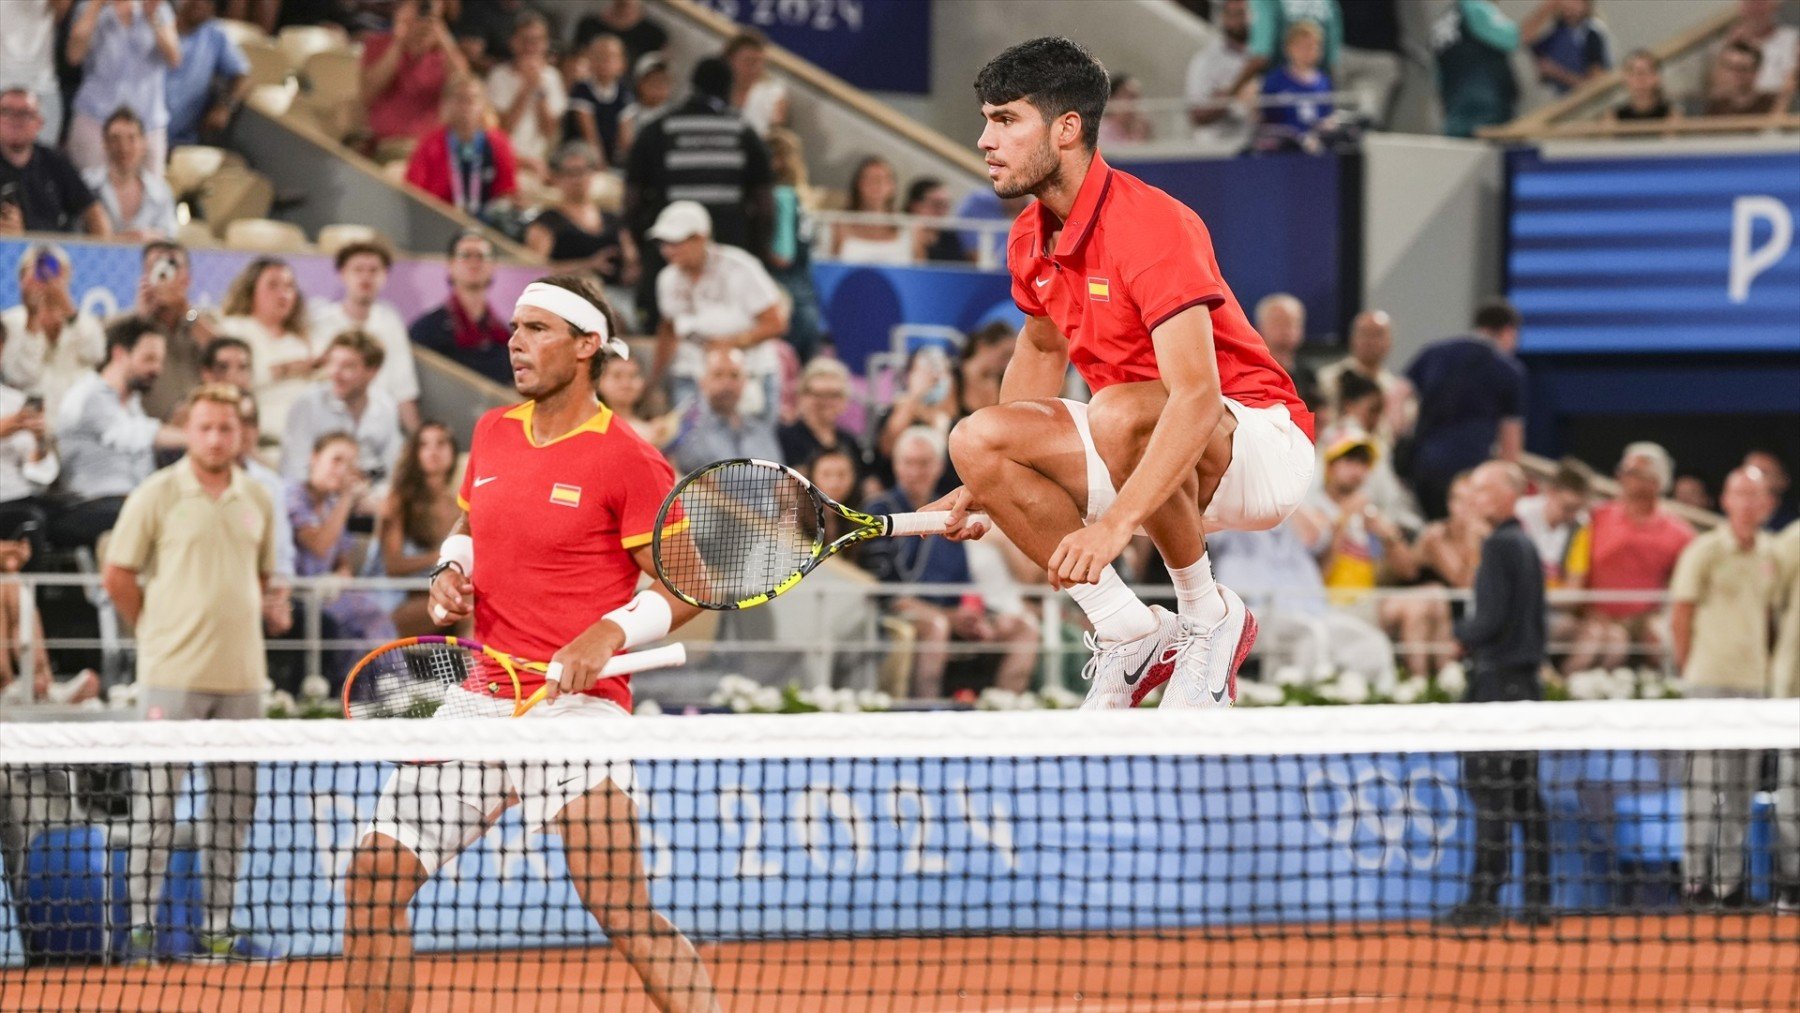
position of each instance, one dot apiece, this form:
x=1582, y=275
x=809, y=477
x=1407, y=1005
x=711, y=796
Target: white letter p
x=1747, y=263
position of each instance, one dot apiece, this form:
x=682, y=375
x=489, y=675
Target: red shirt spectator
x=404, y=72
x=483, y=169
x=1632, y=542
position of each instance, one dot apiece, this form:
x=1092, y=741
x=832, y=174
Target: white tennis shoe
x=1123, y=673
x=1208, y=658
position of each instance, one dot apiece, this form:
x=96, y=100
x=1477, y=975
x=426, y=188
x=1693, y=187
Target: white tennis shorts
x=436, y=810
x=1272, y=463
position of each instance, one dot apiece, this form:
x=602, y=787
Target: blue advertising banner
x=877, y=45
x=1655, y=254
x=795, y=848
x=863, y=303
x=1277, y=225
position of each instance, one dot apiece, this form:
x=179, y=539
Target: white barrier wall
x=1432, y=234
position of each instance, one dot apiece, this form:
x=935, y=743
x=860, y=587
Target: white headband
x=582, y=315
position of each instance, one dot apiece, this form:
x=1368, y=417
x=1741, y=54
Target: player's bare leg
x=1024, y=463
x=378, y=954
x=1219, y=629
x=600, y=839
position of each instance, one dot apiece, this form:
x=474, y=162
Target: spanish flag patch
x=567, y=495
x=1099, y=290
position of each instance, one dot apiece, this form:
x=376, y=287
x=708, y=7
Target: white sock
x=1116, y=613
x=1198, y=595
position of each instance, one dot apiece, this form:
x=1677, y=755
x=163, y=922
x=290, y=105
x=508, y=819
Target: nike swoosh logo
x=1132, y=679
x=1041, y=282
x=483, y=481
x=569, y=780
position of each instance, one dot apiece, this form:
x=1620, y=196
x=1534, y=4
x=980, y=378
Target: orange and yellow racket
x=438, y=676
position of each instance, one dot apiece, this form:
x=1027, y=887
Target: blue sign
x=1276, y=226
x=1654, y=254
x=863, y=303
x=876, y=45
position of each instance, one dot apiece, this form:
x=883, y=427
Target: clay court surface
x=1670, y=962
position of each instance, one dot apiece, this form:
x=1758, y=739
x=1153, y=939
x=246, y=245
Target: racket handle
x=666, y=656
x=930, y=522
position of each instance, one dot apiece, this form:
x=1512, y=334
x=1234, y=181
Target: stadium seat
x=607, y=191
x=191, y=165
x=330, y=91
x=333, y=238
x=195, y=234
x=300, y=43
x=233, y=193
x=242, y=32
x=268, y=65
x=274, y=100
x=266, y=235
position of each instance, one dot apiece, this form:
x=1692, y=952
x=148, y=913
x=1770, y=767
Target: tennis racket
x=422, y=677
x=748, y=530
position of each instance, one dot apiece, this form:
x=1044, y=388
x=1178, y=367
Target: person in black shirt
x=1504, y=639
x=1644, y=98
x=466, y=328
x=573, y=234
x=701, y=151
x=40, y=191
x=927, y=197
x=824, y=394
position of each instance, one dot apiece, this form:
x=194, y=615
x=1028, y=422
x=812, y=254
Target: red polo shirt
x=1130, y=257
x=554, y=527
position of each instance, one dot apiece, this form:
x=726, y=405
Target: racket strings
x=418, y=681
x=750, y=527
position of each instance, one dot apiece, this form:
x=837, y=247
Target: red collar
x=1083, y=214
x=476, y=334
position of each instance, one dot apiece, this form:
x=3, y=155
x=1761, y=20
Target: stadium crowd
x=713, y=253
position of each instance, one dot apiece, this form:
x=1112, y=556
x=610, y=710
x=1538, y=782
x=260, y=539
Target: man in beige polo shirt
x=1726, y=586
x=202, y=534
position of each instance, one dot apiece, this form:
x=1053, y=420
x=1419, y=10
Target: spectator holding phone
x=50, y=344
x=162, y=295
x=27, y=464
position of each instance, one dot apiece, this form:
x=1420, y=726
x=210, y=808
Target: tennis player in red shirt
x=559, y=502
x=1192, y=423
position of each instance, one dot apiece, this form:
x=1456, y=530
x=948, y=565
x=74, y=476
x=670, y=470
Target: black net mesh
x=1024, y=862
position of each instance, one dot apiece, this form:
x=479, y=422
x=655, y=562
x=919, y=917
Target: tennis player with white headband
x=558, y=324
x=559, y=502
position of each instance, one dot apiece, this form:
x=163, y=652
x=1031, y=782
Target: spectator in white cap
x=712, y=295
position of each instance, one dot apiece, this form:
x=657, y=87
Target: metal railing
x=1169, y=115
x=824, y=632
x=990, y=233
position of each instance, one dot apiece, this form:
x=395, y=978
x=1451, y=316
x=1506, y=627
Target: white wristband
x=459, y=549
x=645, y=618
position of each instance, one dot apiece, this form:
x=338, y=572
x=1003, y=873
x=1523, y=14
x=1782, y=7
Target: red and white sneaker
x=1122, y=674
x=1207, y=663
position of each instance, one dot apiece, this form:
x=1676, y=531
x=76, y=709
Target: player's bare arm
x=1039, y=363
x=582, y=658
x=1190, y=372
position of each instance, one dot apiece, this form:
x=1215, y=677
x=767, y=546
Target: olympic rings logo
x=1381, y=818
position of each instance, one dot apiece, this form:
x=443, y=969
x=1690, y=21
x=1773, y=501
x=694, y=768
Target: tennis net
x=1291, y=858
